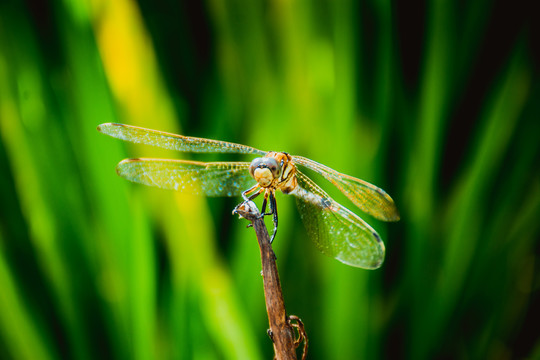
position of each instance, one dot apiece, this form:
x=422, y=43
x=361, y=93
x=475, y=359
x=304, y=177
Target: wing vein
x=176, y=142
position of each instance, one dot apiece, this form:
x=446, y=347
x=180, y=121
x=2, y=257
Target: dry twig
x=281, y=331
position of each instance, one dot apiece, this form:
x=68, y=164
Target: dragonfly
x=336, y=231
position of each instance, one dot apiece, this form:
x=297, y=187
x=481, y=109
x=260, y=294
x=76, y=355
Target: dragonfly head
x=265, y=170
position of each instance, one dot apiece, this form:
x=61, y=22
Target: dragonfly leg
x=263, y=207
x=270, y=334
x=257, y=191
x=265, y=201
x=250, y=190
x=273, y=210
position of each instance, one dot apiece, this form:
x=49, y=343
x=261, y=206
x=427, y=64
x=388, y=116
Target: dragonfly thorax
x=275, y=170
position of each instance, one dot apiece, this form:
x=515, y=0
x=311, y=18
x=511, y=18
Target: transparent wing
x=369, y=198
x=198, y=178
x=172, y=141
x=336, y=231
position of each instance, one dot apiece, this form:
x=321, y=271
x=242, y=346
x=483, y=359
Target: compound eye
x=273, y=166
x=256, y=163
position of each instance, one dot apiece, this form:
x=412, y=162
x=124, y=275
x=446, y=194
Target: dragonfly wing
x=369, y=198
x=173, y=141
x=336, y=231
x=198, y=178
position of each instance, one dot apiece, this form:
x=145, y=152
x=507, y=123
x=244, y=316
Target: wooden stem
x=280, y=331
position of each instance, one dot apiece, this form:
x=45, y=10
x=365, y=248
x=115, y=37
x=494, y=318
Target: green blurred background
x=437, y=102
